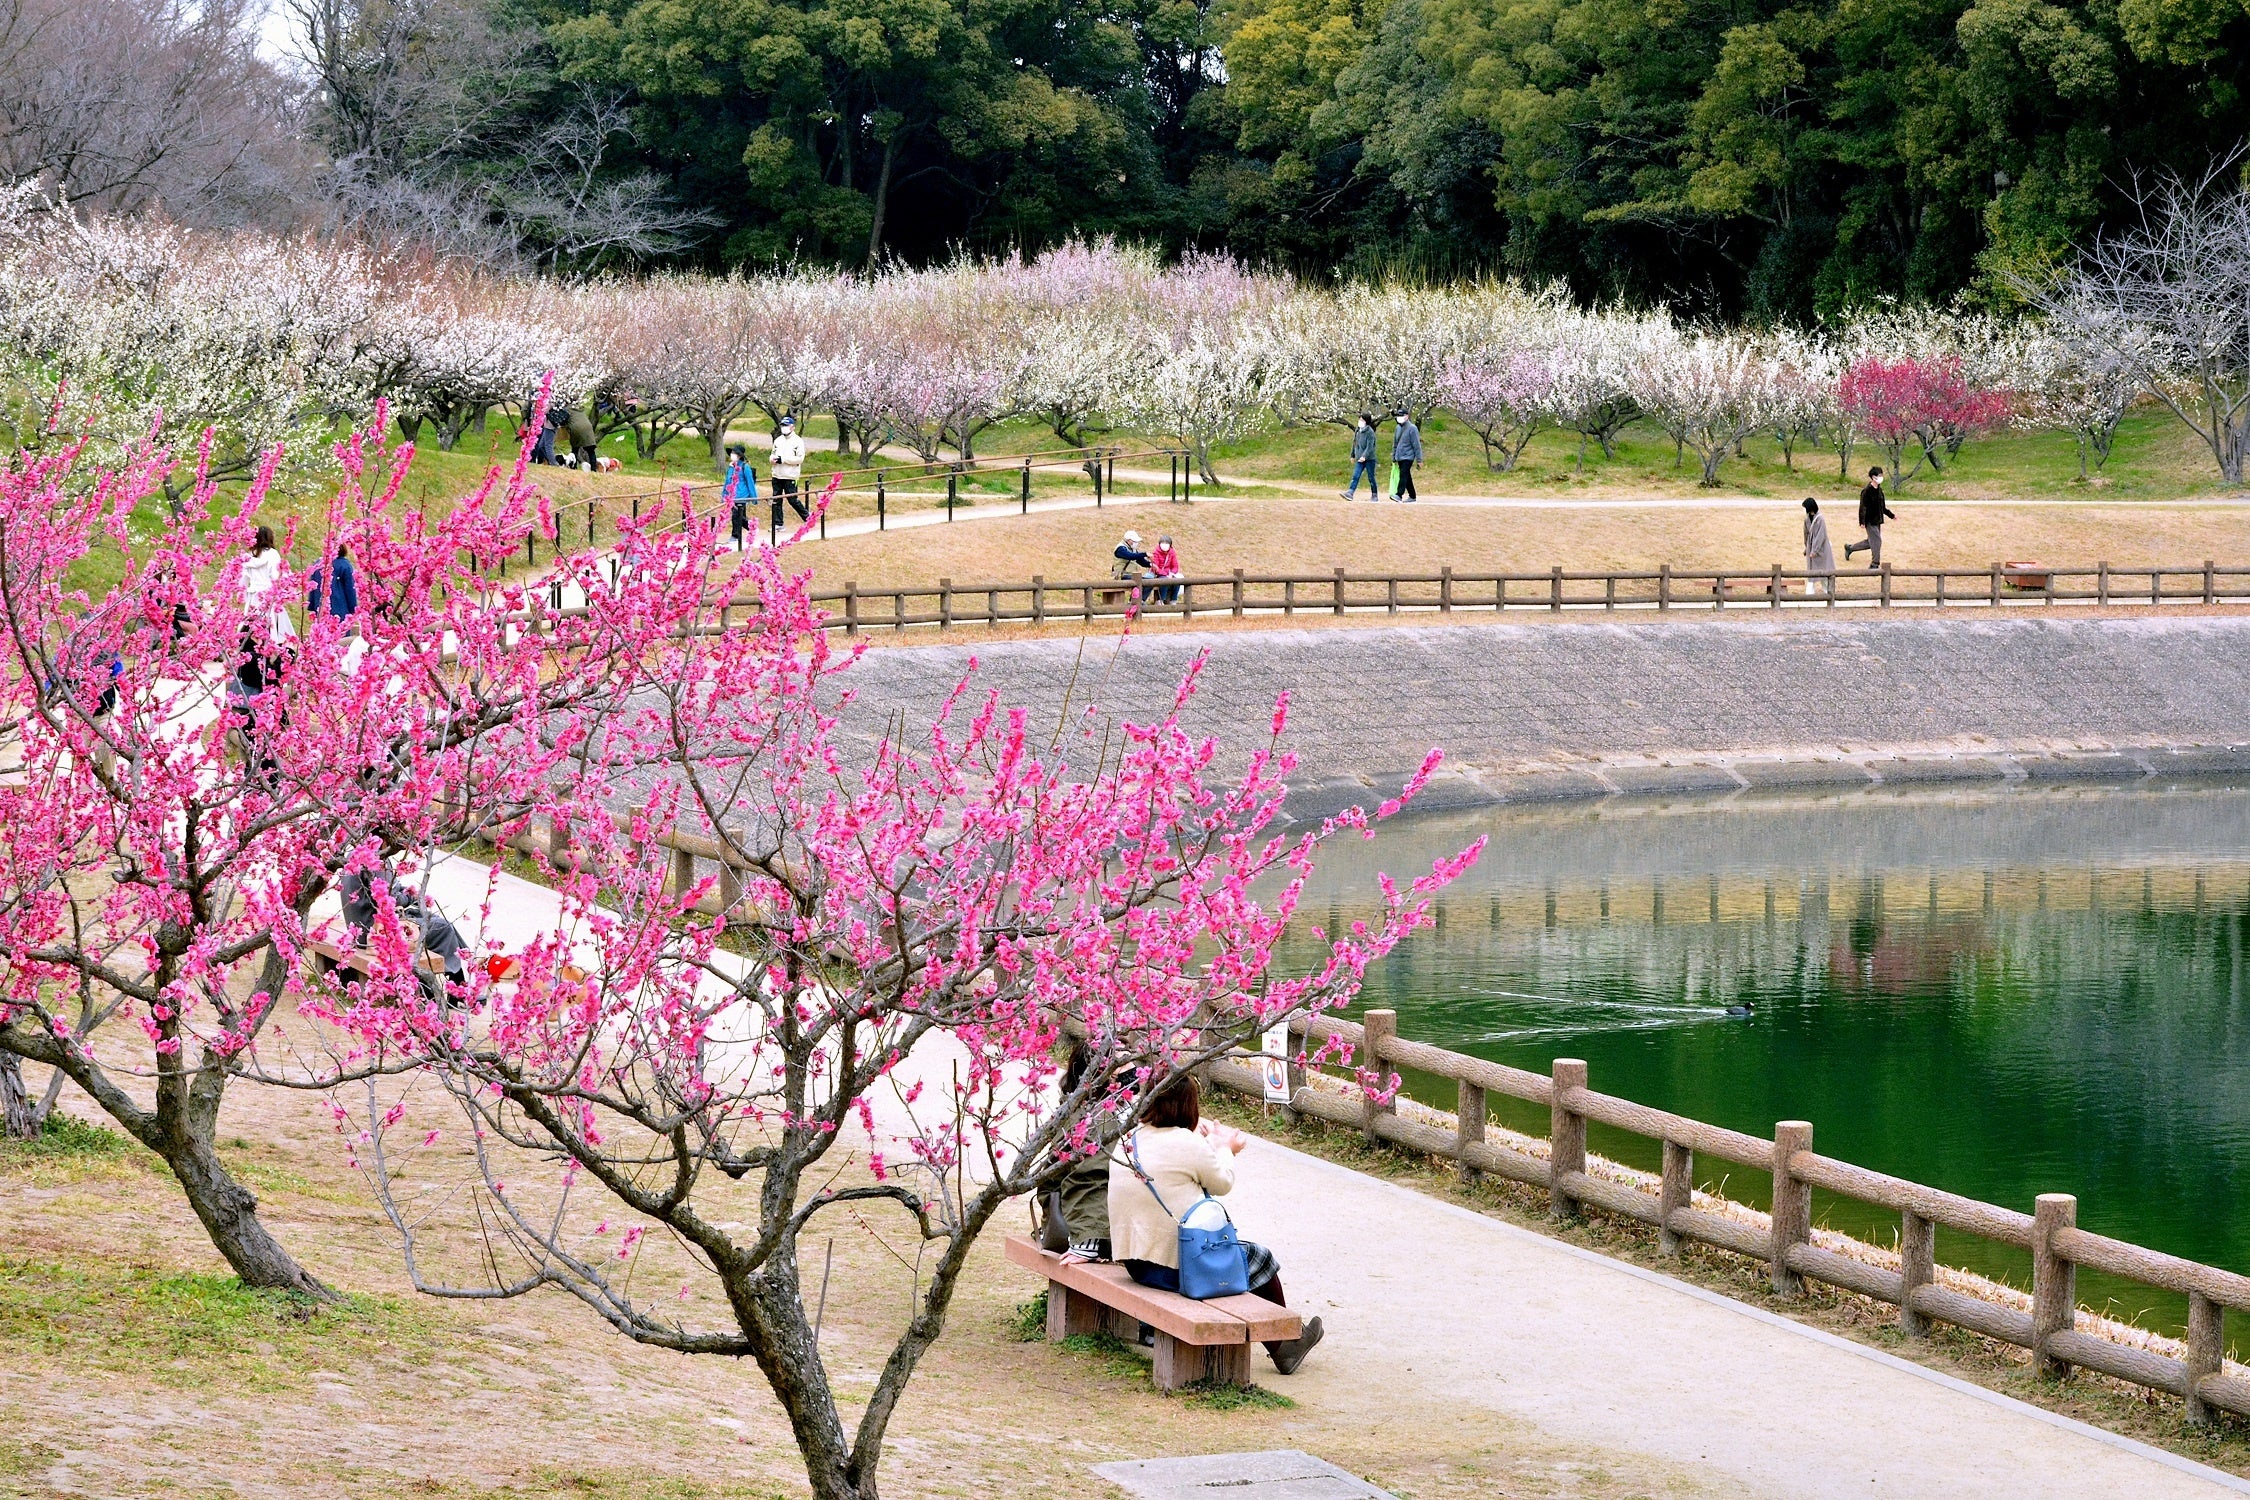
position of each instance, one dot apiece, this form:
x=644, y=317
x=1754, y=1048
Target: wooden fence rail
x=2058, y=1247
x=583, y=522
x=1238, y=595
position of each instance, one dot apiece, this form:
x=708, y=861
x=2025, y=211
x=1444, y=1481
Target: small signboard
x=1274, y=1041
x=1276, y=1071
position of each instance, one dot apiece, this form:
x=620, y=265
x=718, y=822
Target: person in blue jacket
x=335, y=587
x=740, y=490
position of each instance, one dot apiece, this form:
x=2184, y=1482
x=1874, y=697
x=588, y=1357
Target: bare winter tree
x=133, y=105
x=2169, y=301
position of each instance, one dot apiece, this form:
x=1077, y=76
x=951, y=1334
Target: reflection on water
x=2000, y=993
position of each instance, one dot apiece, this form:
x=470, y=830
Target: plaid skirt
x=1256, y=1257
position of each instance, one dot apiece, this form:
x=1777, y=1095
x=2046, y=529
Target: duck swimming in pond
x=1742, y=1008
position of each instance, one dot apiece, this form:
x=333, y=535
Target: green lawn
x=2156, y=457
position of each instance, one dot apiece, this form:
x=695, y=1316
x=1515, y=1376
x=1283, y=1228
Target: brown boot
x=1289, y=1355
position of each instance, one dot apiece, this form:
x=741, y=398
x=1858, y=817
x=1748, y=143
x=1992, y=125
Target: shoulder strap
x=1133, y=1156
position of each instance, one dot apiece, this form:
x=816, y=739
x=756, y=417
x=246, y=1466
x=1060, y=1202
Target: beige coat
x=1184, y=1167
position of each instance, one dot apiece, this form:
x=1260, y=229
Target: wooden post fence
x=1792, y=1251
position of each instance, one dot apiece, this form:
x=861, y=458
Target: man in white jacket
x=788, y=468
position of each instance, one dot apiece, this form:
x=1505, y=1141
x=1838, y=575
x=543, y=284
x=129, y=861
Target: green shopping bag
x=1394, y=481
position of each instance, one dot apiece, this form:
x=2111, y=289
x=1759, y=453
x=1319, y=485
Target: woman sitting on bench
x=1170, y=1159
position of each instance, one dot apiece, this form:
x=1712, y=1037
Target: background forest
x=1735, y=158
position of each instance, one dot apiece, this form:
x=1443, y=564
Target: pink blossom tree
x=174, y=815
x=1505, y=398
x=857, y=1006
x=1927, y=403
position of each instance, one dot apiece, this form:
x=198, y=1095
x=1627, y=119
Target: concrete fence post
x=1678, y=1193
x=2101, y=583
x=1917, y=1264
x=2204, y=1351
x=1468, y=1127
x=1380, y=1026
x=1445, y=588
x=1773, y=587
x=1238, y=593
x=945, y=603
x=1038, y=598
x=1663, y=587
x=1554, y=596
x=730, y=890
x=1792, y=1205
x=2054, y=1280
x=1566, y=1136
x=1339, y=591
x=683, y=872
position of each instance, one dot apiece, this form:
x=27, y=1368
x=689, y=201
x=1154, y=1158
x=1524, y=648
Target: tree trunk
x=229, y=1212
x=882, y=202
x=22, y=1118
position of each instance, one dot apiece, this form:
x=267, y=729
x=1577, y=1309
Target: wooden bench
x=1195, y=1341
x=332, y=956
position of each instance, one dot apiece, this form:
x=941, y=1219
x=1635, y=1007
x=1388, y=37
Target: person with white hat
x=788, y=467
x=1131, y=562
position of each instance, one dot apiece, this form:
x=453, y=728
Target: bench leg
x=1069, y=1315
x=1181, y=1364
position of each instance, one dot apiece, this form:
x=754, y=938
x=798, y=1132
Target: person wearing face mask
x=1872, y=514
x=1406, y=452
x=1363, y=460
x=788, y=468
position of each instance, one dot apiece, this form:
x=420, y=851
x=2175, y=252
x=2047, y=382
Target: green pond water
x=1999, y=993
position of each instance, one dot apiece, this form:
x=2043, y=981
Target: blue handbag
x=1212, y=1261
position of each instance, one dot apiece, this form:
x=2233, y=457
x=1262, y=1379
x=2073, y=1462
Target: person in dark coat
x=583, y=437
x=1872, y=514
x=1363, y=460
x=439, y=935
x=335, y=587
x=1406, y=452
x=543, y=449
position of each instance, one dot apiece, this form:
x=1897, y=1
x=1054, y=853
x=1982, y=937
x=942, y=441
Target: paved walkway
x=1446, y=1308
x=1430, y=1305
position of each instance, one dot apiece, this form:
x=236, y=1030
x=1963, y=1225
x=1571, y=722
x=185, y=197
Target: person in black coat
x=439, y=935
x=1872, y=514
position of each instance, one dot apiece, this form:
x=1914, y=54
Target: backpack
x=1212, y=1261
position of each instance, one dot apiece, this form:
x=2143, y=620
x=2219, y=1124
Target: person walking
x=1820, y=557
x=335, y=587
x=261, y=581
x=740, y=489
x=788, y=468
x=1872, y=514
x=1363, y=460
x=1406, y=452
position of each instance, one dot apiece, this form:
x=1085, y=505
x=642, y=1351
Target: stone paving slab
x=1278, y=1474
x=1564, y=709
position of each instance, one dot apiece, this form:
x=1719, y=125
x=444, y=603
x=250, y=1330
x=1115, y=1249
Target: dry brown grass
x=128, y=1368
x=1275, y=536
